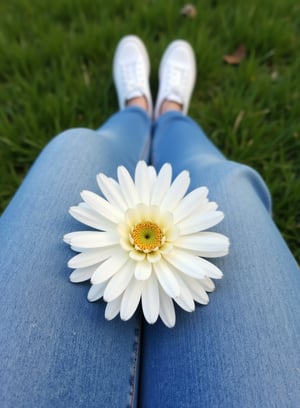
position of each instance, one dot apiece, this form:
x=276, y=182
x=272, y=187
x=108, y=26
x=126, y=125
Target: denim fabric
x=243, y=349
x=56, y=348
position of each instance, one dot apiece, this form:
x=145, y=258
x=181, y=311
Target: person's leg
x=56, y=348
x=242, y=350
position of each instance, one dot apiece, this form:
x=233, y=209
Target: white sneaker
x=131, y=69
x=177, y=76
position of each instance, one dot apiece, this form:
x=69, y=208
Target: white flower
x=148, y=245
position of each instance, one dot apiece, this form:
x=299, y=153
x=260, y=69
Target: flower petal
x=92, y=239
x=166, y=248
x=125, y=244
x=197, y=290
x=210, y=270
x=127, y=187
x=119, y=282
x=208, y=244
x=189, y=203
x=113, y=308
x=131, y=298
x=185, y=300
x=143, y=270
x=102, y=207
x=152, y=176
x=166, y=309
x=203, y=207
x=166, y=278
x=172, y=234
x=111, y=190
x=109, y=267
x=162, y=184
x=208, y=285
x=142, y=182
x=137, y=256
x=177, y=190
x=123, y=230
x=77, y=249
x=96, y=292
x=164, y=219
x=154, y=256
x=186, y=263
x=193, y=265
x=150, y=299
x=91, y=257
x=89, y=217
x=201, y=222
x=133, y=217
x=82, y=274
x=148, y=212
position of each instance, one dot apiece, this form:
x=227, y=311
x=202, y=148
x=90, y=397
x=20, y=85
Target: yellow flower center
x=147, y=236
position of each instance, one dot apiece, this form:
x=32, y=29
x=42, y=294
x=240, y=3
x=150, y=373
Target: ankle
x=167, y=106
x=139, y=101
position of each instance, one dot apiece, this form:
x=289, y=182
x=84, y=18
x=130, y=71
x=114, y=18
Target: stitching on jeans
x=145, y=151
x=135, y=355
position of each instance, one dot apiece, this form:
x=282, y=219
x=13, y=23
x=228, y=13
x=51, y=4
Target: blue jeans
x=57, y=350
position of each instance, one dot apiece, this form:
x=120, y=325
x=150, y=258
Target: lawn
x=55, y=73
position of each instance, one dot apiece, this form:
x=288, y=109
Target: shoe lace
x=176, y=80
x=132, y=76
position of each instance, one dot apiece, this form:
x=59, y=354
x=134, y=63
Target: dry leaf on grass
x=237, y=57
x=189, y=10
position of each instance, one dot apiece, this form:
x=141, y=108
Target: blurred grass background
x=55, y=73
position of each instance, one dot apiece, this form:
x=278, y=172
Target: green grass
x=55, y=73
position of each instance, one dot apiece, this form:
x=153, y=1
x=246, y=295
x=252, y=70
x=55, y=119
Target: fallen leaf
x=189, y=10
x=237, y=57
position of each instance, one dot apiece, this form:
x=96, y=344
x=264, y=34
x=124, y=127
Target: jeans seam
x=135, y=358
